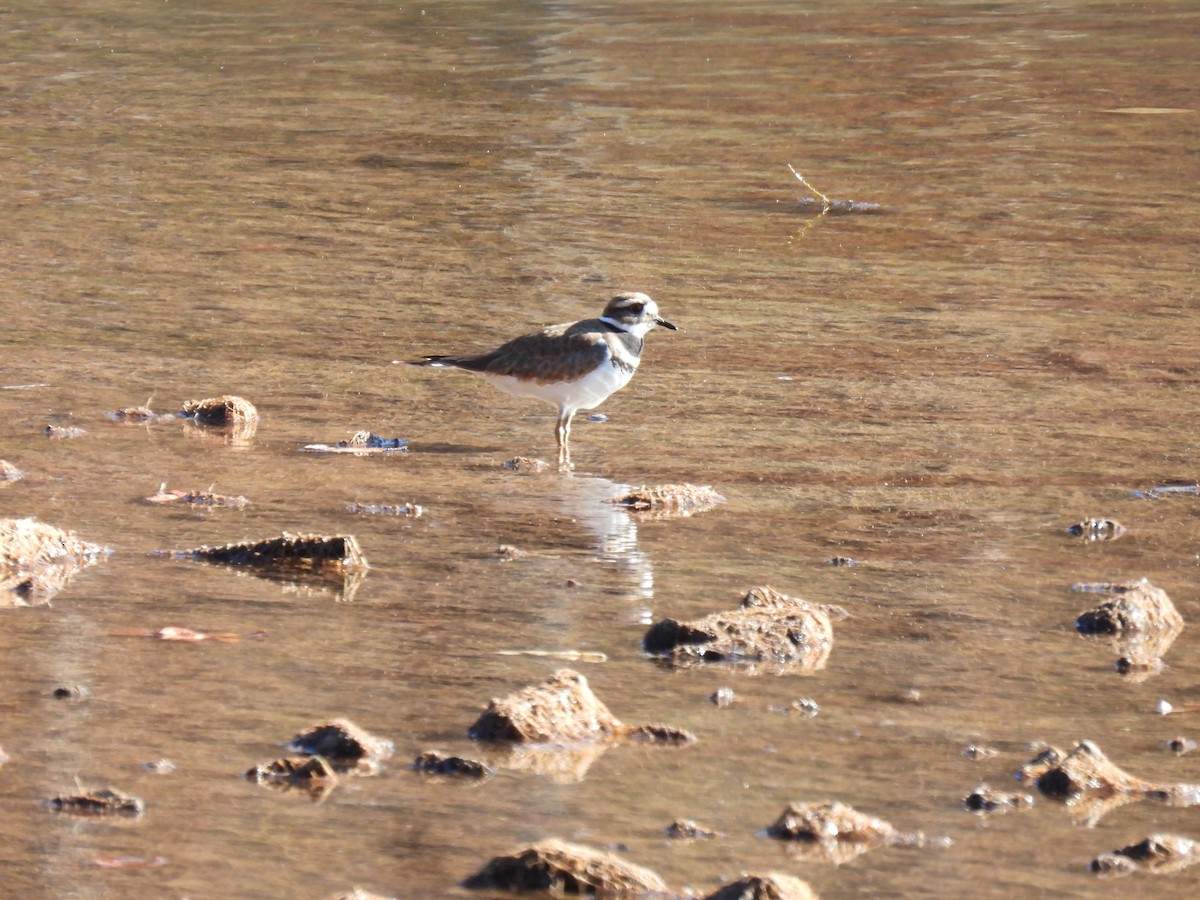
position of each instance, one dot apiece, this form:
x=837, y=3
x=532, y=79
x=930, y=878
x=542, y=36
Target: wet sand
x=281, y=203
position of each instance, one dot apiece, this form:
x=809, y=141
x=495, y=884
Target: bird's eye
x=636, y=308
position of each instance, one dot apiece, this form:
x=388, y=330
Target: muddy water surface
x=279, y=203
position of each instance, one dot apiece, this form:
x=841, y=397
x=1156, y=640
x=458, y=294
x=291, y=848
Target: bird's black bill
x=665, y=324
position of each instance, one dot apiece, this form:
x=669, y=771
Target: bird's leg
x=563, y=434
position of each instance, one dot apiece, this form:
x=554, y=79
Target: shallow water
x=281, y=203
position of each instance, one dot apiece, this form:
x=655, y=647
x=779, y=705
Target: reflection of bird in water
x=574, y=366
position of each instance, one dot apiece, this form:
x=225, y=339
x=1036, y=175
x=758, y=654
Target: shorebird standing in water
x=574, y=366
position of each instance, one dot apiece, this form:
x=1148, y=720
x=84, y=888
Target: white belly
x=587, y=393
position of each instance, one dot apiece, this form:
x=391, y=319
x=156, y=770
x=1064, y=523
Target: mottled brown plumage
x=574, y=366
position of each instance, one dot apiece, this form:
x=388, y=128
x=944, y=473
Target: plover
x=574, y=366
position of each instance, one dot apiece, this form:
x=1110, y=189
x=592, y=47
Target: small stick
x=825, y=201
x=569, y=655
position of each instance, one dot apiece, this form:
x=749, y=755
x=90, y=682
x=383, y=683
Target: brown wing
x=553, y=354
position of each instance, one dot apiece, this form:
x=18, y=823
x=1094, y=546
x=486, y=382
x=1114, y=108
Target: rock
x=357, y=893
x=346, y=746
x=1157, y=854
x=977, y=753
x=562, y=710
x=434, y=762
x=1133, y=606
x=197, y=498
x=323, y=555
x=224, y=410
x=38, y=560
x=837, y=833
x=722, y=697
x=670, y=500
x=1140, y=619
x=63, y=432
x=312, y=774
x=524, y=465
x=1086, y=778
x=687, y=830
x=1097, y=529
x=988, y=801
x=769, y=630
x=102, y=802
x=407, y=509
x=773, y=886
x=9, y=472
x=363, y=443
x=561, y=869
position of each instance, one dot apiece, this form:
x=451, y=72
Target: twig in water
x=825, y=201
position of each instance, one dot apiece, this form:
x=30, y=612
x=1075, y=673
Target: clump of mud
x=670, y=500
x=769, y=630
x=563, y=710
x=1087, y=779
x=101, y=802
x=38, y=560
x=772, y=886
x=9, y=472
x=837, y=833
x=1157, y=854
x=557, y=867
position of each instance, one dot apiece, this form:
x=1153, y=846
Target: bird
x=574, y=365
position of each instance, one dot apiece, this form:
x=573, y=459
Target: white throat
x=637, y=329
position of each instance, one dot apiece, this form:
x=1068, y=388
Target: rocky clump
x=562, y=869
x=101, y=802
x=687, y=830
x=197, y=498
x=324, y=555
x=1157, y=854
x=1133, y=606
x=669, y=500
x=835, y=832
x=772, y=886
x=768, y=630
x=434, y=762
x=562, y=710
x=225, y=410
x=987, y=801
x=362, y=443
x=347, y=747
x=37, y=560
x=1087, y=779
x=1139, y=618
x=1097, y=529
x=312, y=774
